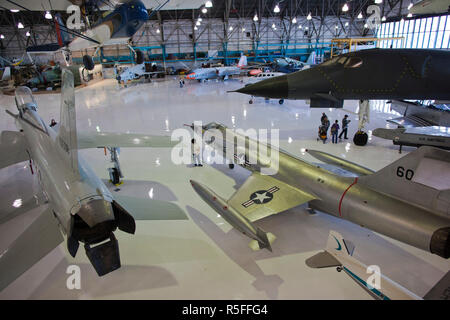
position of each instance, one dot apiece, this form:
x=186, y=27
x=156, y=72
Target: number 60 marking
x=408, y=173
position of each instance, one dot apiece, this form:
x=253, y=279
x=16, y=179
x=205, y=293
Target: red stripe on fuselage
x=343, y=195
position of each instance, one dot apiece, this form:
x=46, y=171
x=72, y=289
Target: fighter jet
x=223, y=73
x=381, y=74
x=430, y=7
x=408, y=200
x=420, y=125
x=339, y=254
x=288, y=65
x=78, y=201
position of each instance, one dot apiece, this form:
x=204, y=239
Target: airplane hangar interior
x=224, y=150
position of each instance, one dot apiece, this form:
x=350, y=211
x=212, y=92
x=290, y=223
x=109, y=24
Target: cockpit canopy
x=346, y=61
x=25, y=99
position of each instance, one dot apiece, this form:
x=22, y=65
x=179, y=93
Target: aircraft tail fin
x=67, y=134
x=336, y=243
x=242, y=61
x=421, y=177
x=61, y=33
x=311, y=58
x=336, y=246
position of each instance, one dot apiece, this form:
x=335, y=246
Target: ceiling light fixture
x=204, y=10
x=28, y=34
x=360, y=16
x=276, y=9
x=208, y=4
x=309, y=17
x=20, y=25
x=383, y=19
x=345, y=7
x=294, y=20
x=48, y=15
x=14, y=10
x=255, y=18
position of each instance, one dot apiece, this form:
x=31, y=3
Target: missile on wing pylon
x=261, y=239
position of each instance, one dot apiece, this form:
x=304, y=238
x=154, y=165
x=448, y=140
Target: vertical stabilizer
x=67, y=135
x=312, y=58
x=336, y=244
x=242, y=61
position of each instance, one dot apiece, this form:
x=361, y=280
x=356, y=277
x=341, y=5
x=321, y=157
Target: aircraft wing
x=261, y=196
x=12, y=148
x=410, y=121
x=124, y=140
x=41, y=237
x=430, y=131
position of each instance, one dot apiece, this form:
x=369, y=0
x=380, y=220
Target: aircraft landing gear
x=339, y=269
x=115, y=174
x=88, y=62
x=360, y=138
x=231, y=165
x=281, y=101
x=139, y=57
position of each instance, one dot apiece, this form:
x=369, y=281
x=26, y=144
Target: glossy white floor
x=202, y=257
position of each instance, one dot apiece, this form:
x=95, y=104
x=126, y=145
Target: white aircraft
x=224, y=73
x=338, y=253
x=430, y=7
x=78, y=201
x=262, y=76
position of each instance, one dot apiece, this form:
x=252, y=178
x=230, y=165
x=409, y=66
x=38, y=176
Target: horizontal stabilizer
x=41, y=237
x=14, y=212
x=67, y=133
x=123, y=140
x=150, y=209
x=322, y=260
x=12, y=148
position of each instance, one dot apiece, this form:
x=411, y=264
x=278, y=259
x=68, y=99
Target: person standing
x=345, y=122
x=196, y=153
x=181, y=83
x=322, y=119
x=334, y=132
x=326, y=123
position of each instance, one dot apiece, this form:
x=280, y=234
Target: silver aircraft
x=224, y=73
x=339, y=254
x=419, y=125
x=78, y=201
x=409, y=200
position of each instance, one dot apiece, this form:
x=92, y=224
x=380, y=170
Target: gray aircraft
x=408, y=200
x=380, y=74
x=419, y=125
x=78, y=201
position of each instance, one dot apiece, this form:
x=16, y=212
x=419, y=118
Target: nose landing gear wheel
x=114, y=176
x=231, y=165
x=360, y=138
x=250, y=102
x=281, y=101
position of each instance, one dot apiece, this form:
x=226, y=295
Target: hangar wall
x=179, y=36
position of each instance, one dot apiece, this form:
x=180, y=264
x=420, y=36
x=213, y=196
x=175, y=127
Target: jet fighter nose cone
x=275, y=88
